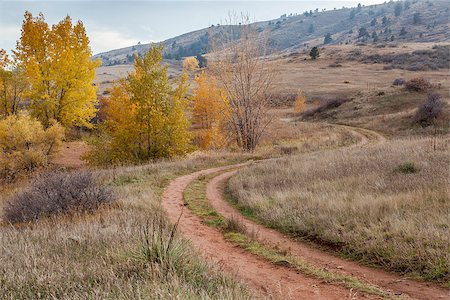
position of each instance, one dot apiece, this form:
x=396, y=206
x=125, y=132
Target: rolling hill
x=402, y=21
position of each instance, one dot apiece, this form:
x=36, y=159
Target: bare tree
x=239, y=62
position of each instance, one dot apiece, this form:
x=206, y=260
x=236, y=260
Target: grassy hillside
x=422, y=21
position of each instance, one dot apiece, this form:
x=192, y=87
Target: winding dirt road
x=263, y=277
x=275, y=281
x=392, y=283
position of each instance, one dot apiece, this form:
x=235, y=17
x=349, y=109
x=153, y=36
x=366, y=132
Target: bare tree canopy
x=239, y=62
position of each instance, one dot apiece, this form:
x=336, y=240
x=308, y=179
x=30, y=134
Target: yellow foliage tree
x=146, y=117
x=211, y=112
x=190, y=63
x=57, y=62
x=300, y=105
x=25, y=145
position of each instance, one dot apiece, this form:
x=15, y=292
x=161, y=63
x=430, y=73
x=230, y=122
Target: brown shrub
x=429, y=110
x=55, y=193
x=418, y=84
x=282, y=99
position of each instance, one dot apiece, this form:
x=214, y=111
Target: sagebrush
x=56, y=193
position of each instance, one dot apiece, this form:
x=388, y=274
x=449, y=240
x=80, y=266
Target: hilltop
x=402, y=21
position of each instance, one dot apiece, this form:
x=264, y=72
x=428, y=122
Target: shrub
x=418, y=84
x=25, y=145
x=235, y=225
x=285, y=99
x=161, y=248
x=398, y=82
x=56, y=193
x=325, y=105
x=407, y=168
x=429, y=110
x=299, y=105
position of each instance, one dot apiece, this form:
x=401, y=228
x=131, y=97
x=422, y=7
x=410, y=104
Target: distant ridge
x=402, y=21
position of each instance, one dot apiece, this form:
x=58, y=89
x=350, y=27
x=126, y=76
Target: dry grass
x=389, y=111
x=301, y=137
x=386, y=205
x=317, y=78
x=106, y=255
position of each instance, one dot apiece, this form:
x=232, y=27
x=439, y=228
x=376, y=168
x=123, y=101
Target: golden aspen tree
x=57, y=62
x=210, y=112
x=300, y=102
x=190, y=63
x=160, y=108
x=146, y=116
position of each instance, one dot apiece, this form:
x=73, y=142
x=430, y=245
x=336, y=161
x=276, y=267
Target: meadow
x=110, y=178
x=384, y=205
x=124, y=250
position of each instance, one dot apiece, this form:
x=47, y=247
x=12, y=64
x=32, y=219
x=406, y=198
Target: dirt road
x=264, y=278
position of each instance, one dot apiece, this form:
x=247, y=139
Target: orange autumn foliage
x=300, y=102
x=210, y=112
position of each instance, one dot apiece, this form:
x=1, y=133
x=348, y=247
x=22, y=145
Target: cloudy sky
x=116, y=24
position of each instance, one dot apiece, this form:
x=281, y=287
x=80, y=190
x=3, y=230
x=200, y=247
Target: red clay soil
x=264, y=278
x=393, y=283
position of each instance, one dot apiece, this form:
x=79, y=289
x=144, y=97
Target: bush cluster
x=418, y=84
x=26, y=146
x=420, y=60
x=430, y=109
x=56, y=193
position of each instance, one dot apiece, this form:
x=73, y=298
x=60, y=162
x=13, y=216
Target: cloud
x=102, y=39
x=106, y=39
x=9, y=34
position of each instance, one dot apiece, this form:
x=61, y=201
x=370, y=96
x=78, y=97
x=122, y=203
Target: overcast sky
x=115, y=24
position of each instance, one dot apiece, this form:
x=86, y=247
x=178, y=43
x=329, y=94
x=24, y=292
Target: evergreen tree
x=314, y=53
x=363, y=32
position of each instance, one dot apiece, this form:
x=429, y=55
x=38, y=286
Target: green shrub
x=407, y=168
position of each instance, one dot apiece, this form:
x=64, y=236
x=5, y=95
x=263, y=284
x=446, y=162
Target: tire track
x=264, y=278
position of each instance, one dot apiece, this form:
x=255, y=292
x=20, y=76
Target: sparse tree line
x=46, y=88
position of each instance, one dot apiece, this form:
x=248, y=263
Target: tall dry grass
x=386, y=204
x=113, y=253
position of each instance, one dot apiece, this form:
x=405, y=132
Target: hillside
x=404, y=21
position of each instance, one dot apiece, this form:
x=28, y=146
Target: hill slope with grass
x=403, y=21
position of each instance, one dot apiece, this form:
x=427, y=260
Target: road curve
x=393, y=283
x=264, y=278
